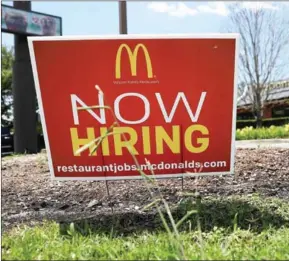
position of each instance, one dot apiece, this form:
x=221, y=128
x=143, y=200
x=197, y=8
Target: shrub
x=273, y=132
x=265, y=122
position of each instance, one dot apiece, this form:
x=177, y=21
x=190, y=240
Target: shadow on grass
x=252, y=213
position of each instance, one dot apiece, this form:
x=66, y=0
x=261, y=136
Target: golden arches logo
x=132, y=55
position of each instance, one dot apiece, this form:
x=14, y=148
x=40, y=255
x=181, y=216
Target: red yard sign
x=174, y=98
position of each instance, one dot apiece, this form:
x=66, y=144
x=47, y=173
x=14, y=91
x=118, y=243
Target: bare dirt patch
x=28, y=194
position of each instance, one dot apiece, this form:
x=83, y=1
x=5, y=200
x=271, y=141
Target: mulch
x=29, y=196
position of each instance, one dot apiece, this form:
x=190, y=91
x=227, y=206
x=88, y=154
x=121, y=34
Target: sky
x=100, y=18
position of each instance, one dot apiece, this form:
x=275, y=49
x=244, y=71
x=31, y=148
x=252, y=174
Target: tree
x=264, y=36
x=6, y=85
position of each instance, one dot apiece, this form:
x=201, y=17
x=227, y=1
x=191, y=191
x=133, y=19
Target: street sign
x=18, y=21
x=173, y=98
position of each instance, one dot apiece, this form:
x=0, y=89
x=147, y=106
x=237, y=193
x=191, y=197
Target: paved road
x=270, y=143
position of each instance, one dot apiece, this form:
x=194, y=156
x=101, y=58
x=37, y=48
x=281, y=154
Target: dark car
x=7, y=143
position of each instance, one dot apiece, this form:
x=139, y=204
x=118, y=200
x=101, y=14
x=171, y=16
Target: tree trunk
x=259, y=118
x=259, y=110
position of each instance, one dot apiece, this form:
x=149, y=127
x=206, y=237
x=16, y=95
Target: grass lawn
x=45, y=243
x=259, y=231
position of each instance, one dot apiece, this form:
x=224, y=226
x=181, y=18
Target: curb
x=266, y=143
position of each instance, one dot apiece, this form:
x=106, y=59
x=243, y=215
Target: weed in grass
x=150, y=182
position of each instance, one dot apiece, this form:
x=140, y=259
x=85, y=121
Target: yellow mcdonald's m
x=132, y=55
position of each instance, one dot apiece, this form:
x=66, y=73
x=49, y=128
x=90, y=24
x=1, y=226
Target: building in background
x=276, y=106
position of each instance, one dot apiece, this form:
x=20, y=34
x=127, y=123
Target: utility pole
x=24, y=95
x=122, y=17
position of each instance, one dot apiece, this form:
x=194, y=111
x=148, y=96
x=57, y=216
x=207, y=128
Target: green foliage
x=273, y=132
x=6, y=84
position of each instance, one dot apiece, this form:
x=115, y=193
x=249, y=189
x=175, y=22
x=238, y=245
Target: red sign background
x=63, y=67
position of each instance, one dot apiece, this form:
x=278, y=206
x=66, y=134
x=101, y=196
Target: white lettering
x=181, y=95
x=146, y=105
x=75, y=100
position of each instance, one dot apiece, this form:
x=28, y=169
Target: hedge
x=273, y=132
x=265, y=122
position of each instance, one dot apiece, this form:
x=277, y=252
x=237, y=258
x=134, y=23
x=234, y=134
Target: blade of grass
x=151, y=204
x=189, y=213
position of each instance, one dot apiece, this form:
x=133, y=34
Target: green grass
x=253, y=212
x=45, y=243
x=260, y=230
x=273, y=132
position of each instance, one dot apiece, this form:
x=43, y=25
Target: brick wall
x=267, y=112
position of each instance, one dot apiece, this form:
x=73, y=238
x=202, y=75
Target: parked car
x=7, y=141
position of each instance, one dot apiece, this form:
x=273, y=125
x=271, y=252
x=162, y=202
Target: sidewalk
x=270, y=143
